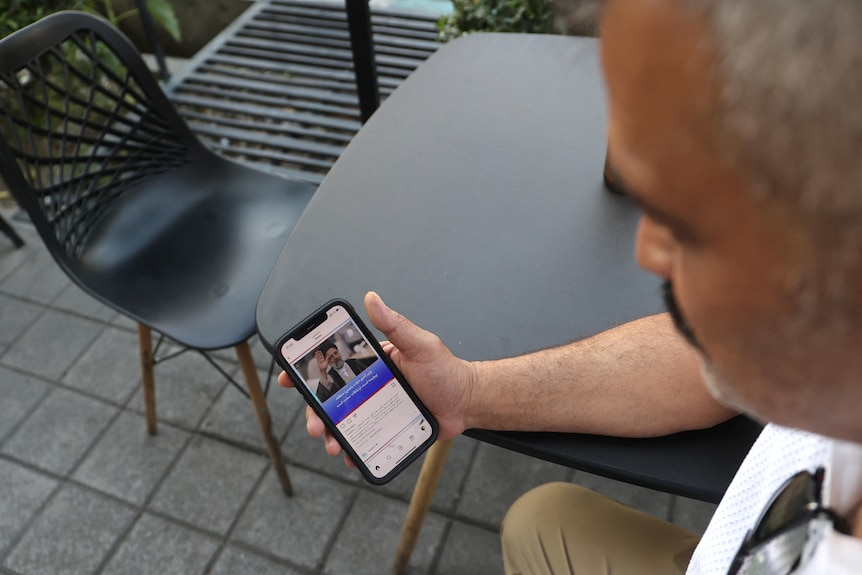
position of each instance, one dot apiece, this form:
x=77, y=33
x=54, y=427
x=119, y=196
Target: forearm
x=640, y=379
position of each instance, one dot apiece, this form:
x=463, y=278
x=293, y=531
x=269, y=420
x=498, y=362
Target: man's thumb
x=400, y=331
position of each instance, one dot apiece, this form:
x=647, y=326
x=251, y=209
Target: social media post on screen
x=359, y=393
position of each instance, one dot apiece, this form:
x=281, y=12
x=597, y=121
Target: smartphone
x=342, y=372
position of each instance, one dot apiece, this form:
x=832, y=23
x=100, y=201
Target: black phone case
x=318, y=408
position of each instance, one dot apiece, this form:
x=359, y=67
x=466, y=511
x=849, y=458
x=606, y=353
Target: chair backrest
x=82, y=121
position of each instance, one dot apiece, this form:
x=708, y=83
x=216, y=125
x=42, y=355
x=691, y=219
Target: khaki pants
x=563, y=528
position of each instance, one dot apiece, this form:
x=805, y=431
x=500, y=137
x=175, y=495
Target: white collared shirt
x=778, y=454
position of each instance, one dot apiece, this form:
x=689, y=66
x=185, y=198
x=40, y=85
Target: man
x=335, y=371
x=736, y=125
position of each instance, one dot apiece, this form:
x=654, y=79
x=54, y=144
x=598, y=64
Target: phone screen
x=357, y=390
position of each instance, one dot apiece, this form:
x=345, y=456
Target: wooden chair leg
x=420, y=502
x=145, y=343
x=249, y=371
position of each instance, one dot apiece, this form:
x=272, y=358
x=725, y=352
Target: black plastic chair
x=130, y=204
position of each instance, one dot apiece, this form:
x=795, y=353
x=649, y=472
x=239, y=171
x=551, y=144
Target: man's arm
x=637, y=380
x=640, y=379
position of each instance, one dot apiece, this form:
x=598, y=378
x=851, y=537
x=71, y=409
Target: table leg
x=423, y=493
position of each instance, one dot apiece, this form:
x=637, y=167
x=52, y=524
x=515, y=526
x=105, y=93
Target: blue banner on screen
x=357, y=391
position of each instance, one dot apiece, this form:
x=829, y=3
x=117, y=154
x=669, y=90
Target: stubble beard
x=717, y=385
x=715, y=381
x=791, y=356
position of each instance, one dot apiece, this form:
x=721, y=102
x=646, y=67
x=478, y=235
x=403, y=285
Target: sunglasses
x=776, y=545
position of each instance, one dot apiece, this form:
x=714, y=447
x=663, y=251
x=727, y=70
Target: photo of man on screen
x=335, y=371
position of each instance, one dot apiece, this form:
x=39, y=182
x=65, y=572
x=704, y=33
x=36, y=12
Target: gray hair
x=789, y=108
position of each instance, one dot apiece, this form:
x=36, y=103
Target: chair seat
x=188, y=251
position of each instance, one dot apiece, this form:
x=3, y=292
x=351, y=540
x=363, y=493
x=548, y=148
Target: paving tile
x=209, y=484
x=76, y=300
x=125, y=323
x=22, y=492
x=300, y=448
x=186, y=387
x=110, y=368
x=369, y=537
x=127, y=462
x=11, y=257
x=59, y=431
x=692, y=514
x=297, y=529
x=236, y=560
x=232, y=415
x=228, y=354
x=37, y=278
x=471, y=550
x=15, y=317
x=73, y=535
x=448, y=492
x=20, y=394
x=649, y=501
x=158, y=547
x=262, y=358
x=498, y=477
x=51, y=344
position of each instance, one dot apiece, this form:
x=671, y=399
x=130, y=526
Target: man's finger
x=332, y=446
x=400, y=331
x=313, y=424
x=284, y=380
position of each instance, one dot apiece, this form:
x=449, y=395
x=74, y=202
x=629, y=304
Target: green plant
x=16, y=14
x=160, y=10
x=495, y=16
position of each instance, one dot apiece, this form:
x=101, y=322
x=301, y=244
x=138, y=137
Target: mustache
x=679, y=321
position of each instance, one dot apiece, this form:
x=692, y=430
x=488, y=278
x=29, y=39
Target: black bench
x=277, y=88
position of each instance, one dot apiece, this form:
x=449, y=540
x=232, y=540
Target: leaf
x=164, y=14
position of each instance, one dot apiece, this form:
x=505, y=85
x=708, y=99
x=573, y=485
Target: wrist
x=472, y=409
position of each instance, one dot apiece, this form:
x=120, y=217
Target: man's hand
x=321, y=362
x=442, y=381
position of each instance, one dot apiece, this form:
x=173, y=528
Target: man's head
x=735, y=123
x=332, y=355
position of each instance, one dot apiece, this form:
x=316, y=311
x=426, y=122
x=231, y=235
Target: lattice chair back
x=82, y=122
